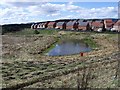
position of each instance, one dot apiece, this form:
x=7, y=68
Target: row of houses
x=80, y=24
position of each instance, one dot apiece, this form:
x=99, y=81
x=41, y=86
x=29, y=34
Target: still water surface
x=69, y=47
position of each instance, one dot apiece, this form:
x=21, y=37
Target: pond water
x=69, y=47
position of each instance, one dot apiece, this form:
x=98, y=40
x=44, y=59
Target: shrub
x=36, y=32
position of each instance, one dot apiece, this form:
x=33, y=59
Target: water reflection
x=68, y=47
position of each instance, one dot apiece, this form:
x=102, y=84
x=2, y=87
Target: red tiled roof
x=97, y=24
x=51, y=23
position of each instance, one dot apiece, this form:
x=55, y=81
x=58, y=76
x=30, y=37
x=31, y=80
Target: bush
x=36, y=32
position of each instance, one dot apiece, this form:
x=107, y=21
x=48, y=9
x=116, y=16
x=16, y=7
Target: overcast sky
x=25, y=11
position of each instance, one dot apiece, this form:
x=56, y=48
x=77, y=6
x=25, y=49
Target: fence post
x=81, y=54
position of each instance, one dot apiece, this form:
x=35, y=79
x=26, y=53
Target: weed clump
x=36, y=32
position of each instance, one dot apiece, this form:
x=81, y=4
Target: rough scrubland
x=25, y=65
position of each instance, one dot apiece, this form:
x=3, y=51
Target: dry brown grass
x=23, y=63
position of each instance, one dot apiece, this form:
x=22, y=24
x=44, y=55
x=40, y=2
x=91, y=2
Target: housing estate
x=80, y=25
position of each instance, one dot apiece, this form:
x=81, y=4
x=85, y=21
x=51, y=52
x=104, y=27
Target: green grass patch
x=48, y=32
x=22, y=32
x=112, y=35
x=90, y=42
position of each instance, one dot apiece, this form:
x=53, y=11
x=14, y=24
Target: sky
x=25, y=11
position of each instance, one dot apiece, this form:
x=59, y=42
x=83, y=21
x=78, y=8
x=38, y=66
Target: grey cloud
x=25, y=4
x=27, y=11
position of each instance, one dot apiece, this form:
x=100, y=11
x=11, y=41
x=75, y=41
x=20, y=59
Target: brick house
x=116, y=26
x=90, y=24
x=61, y=25
x=72, y=25
x=32, y=26
x=35, y=26
x=51, y=25
x=97, y=25
x=83, y=25
x=40, y=26
x=108, y=24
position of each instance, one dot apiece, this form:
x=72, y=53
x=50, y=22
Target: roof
x=117, y=23
x=60, y=23
x=81, y=20
x=89, y=22
x=97, y=24
x=80, y=23
x=39, y=23
x=98, y=21
x=35, y=26
x=32, y=25
x=51, y=23
x=71, y=23
x=109, y=21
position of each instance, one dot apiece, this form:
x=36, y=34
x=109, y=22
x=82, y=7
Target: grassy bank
x=48, y=32
x=90, y=42
x=51, y=46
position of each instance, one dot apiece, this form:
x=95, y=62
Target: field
x=25, y=65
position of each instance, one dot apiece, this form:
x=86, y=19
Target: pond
x=69, y=47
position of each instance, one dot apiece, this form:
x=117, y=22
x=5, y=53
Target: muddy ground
x=24, y=64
